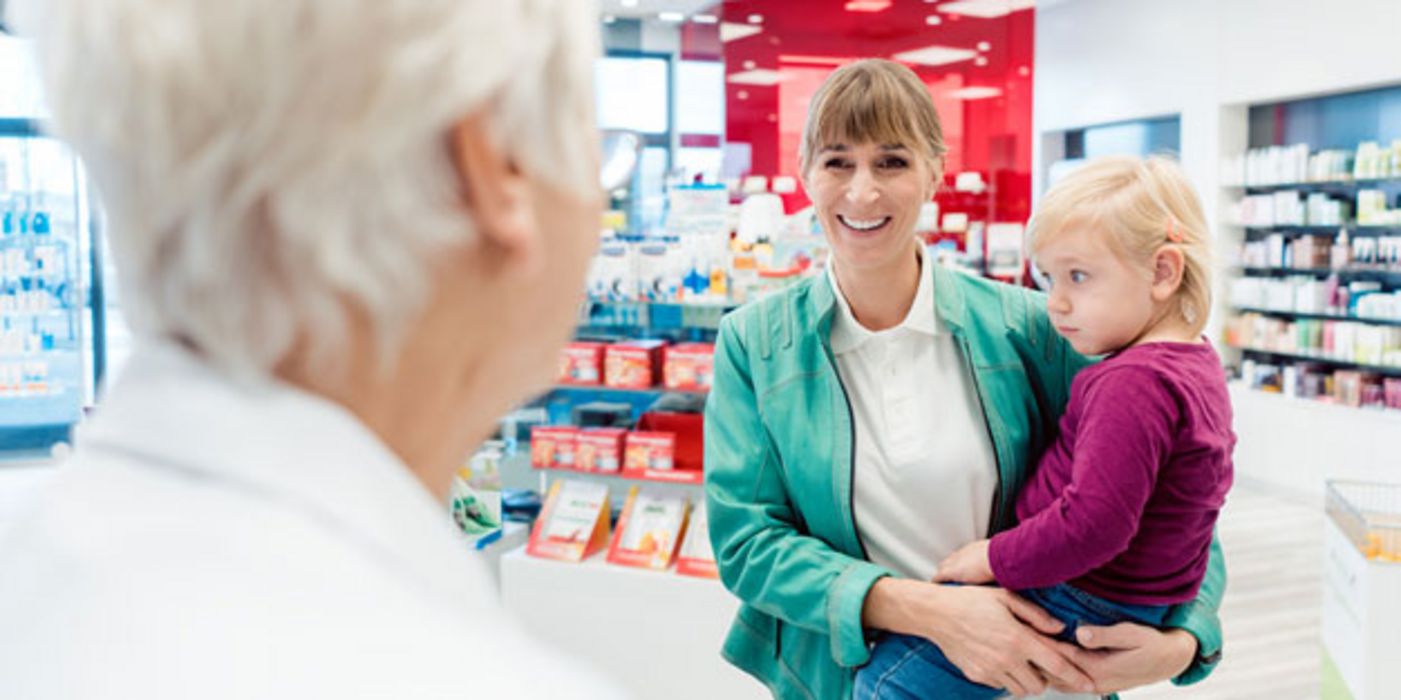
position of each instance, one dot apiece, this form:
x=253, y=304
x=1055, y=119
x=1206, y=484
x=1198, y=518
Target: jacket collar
x=949, y=305
x=284, y=447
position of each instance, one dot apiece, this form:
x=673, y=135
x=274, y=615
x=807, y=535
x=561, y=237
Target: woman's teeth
x=863, y=225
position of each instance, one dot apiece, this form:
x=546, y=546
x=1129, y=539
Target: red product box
x=1393, y=392
x=650, y=451
x=581, y=363
x=599, y=449
x=553, y=446
x=635, y=364
x=689, y=366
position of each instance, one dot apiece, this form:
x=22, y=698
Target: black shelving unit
x=1388, y=370
x=1391, y=274
x=1393, y=322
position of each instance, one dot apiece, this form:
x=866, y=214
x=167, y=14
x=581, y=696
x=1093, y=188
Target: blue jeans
x=904, y=667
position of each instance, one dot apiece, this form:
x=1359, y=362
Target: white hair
x=262, y=161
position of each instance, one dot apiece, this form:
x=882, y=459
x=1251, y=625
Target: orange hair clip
x=1173, y=234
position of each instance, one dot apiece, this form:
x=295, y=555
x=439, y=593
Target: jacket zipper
x=992, y=439
x=851, y=476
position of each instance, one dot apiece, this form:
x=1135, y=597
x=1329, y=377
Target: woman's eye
x=835, y=164
x=894, y=163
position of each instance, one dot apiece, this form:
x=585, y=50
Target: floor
x=1271, y=612
x=1270, y=615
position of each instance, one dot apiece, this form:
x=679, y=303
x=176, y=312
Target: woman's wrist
x=902, y=606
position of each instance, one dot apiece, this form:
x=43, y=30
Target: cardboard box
x=599, y=450
x=553, y=446
x=650, y=451
x=689, y=367
x=581, y=363
x=635, y=364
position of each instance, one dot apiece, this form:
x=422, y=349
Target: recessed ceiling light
x=936, y=55
x=628, y=3
x=867, y=5
x=671, y=16
x=976, y=92
x=986, y=9
x=730, y=31
x=762, y=76
x=705, y=19
x=933, y=20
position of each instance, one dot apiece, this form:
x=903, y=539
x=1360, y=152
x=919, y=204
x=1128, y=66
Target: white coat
x=213, y=539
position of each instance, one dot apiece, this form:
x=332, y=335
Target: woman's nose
x=862, y=188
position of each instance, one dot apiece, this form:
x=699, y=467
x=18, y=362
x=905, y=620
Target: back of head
x=1140, y=205
x=873, y=101
x=269, y=164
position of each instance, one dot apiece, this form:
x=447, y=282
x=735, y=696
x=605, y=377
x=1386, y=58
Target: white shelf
x=657, y=633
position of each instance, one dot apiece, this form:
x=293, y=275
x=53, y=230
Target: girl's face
x=867, y=197
x=1099, y=302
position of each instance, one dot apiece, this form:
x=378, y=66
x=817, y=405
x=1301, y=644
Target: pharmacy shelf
x=1320, y=358
x=1318, y=316
x=1327, y=230
x=601, y=390
x=1343, y=185
x=688, y=477
x=654, y=315
x=1376, y=273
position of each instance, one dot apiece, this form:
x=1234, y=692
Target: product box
x=696, y=558
x=689, y=367
x=599, y=450
x=644, y=450
x=581, y=363
x=649, y=530
x=635, y=364
x=553, y=446
x=573, y=522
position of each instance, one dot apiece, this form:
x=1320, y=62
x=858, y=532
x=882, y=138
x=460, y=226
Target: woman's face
x=867, y=197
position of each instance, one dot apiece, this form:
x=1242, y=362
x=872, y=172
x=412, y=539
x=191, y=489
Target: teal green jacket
x=779, y=458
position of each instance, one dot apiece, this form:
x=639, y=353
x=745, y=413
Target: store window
x=1067, y=150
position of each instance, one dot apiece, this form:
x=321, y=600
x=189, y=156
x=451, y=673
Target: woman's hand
x=1127, y=655
x=969, y=564
x=995, y=637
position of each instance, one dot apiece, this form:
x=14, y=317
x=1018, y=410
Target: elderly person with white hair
x=350, y=236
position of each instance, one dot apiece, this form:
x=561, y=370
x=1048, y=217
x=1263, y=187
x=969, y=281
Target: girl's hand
x=968, y=565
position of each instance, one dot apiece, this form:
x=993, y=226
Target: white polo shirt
x=925, y=470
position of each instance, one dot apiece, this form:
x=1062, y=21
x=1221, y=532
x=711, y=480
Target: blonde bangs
x=872, y=101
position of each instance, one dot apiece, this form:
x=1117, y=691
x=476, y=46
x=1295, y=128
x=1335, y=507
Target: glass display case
x=47, y=358
x=52, y=349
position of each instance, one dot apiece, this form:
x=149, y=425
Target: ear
x=936, y=177
x=1168, y=265
x=498, y=195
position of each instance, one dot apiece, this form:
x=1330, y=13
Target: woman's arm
x=992, y=635
x=764, y=556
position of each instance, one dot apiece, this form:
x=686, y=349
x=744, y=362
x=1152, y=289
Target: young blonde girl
x=1115, y=524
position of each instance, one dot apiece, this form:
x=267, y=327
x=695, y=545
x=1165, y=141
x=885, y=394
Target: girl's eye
x=893, y=163
x=836, y=164
x=1078, y=276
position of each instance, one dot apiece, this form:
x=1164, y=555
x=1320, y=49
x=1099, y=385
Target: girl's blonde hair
x=873, y=101
x=1140, y=205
